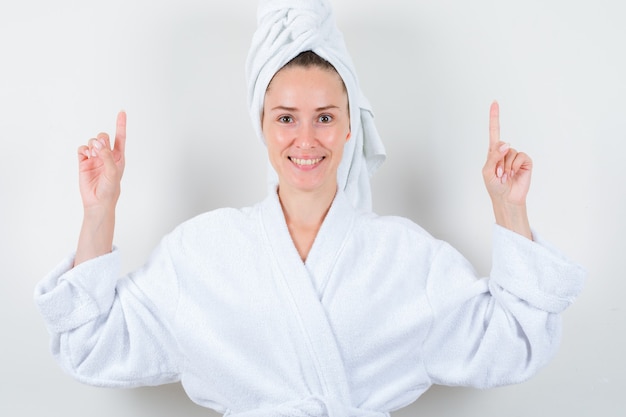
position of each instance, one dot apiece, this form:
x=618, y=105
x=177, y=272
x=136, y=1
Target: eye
x=285, y=119
x=325, y=118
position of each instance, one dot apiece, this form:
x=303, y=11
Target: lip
x=306, y=162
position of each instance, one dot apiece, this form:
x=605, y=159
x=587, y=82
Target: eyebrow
x=292, y=109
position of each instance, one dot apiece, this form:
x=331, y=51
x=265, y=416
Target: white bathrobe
x=379, y=312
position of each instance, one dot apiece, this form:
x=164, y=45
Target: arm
x=107, y=330
x=100, y=174
x=507, y=178
x=502, y=329
x=112, y=330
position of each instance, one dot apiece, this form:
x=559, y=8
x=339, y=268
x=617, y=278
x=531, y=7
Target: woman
x=306, y=304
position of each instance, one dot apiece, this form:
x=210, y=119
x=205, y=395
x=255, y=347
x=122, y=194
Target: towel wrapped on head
x=285, y=29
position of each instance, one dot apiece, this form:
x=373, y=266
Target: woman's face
x=306, y=124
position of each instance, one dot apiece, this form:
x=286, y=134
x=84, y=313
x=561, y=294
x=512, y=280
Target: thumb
x=102, y=146
x=494, y=166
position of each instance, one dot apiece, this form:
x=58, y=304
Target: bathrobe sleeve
x=498, y=330
x=111, y=331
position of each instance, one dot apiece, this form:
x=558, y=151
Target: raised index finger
x=120, y=132
x=494, y=125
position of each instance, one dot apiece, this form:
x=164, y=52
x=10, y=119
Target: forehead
x=306, y=83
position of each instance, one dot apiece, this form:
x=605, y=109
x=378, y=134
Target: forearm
x=96, y=234
x=513, y=217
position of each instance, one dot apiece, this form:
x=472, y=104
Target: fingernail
x=505, y=147
x=98, y=144
x=499, y=172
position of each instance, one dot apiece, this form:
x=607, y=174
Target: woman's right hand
x=100, y=168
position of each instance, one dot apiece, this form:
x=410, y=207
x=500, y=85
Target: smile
x=306, y=162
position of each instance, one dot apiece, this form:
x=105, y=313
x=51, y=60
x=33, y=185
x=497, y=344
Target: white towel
x=285, y=29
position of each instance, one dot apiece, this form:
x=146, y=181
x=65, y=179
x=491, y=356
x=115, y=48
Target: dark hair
x=309, y=59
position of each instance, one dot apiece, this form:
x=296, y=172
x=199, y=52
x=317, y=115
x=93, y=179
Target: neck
x=304, y=213
x=303, y=208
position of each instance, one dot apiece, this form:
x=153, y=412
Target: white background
x=430, y=68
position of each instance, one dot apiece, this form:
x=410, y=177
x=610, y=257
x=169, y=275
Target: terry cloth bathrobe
x=378, y=313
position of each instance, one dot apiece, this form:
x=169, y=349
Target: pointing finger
x=494, y=126
x=120, y=132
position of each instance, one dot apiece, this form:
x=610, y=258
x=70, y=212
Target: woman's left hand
x=507, y=175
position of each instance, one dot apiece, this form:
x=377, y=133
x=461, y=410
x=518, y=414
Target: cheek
x=274, y=155
x=344, y=135
x=276, y=144
x=338, y=145
x=276, y=138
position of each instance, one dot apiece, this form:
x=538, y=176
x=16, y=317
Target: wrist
x=98, y=213
x=513, y=217
x=96, y=234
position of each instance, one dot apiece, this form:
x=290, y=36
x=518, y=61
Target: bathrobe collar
x=328, y=243
x=305, y=285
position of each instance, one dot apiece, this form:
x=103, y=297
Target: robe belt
x=309, y=407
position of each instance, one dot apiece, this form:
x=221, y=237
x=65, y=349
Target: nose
x=305, y=136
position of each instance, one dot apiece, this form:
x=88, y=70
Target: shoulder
x=394, y=232
x=217, y=226
x=392, y=225
x=221, y=216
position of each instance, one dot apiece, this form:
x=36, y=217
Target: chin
x=308, y=186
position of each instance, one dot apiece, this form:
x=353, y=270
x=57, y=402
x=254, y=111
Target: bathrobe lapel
x=329, y=242
x=305, y=285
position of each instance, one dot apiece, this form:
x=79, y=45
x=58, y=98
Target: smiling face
x=306, y=124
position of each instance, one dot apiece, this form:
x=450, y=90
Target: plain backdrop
x=430, y=68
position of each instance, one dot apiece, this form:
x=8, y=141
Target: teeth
x=298, y=161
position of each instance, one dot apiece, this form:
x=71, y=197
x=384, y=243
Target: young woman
x=308, y=303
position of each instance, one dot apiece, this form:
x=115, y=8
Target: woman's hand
x=100, y=170
x=507, y=178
